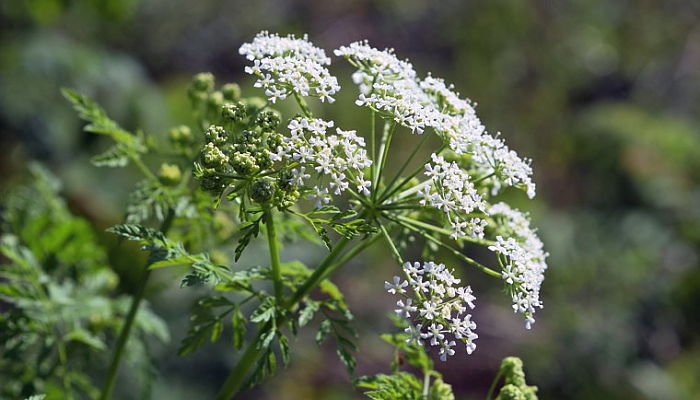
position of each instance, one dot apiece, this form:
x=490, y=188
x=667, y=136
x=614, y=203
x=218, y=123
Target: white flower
x=405, y=308
x=441, y=306
x=396, y=287
x=391, y=87
x=452, y=192
x=339, y=160
x=289, y=64
x=525, y=259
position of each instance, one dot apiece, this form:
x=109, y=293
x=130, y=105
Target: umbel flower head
x=340, y=158
x=436, y=307
x=391, y=87
x=289, y=65
x=448, y=201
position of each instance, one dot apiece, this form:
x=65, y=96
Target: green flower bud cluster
x=208, y=101
x=515, y=387
x=241, y=148
x=181, y=139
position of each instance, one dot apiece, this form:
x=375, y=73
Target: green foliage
x=207, y=325
x=127, y=145
x=60, y=296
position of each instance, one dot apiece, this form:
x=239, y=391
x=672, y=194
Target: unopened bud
x=231, y=91
x=233, y=112
x=169, y=174
x=262, y=191
x=181, y=135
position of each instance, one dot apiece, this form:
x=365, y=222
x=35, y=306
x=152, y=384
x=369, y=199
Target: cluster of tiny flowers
x=439, y=315
x=524, y=260
x=390, y=86
x=341, y=158
x=451, y=191
x=286, y=65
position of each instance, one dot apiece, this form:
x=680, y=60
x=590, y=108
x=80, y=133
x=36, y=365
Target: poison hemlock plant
x=265, y=176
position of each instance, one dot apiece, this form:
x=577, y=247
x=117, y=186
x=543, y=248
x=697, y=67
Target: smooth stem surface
x=383, y=154
x=489, y=395
x=426, y=384
x=275, y=263
x=128, y=324
x=403, y=168
x=454, y=251
x=302, y=104
x=235, y=379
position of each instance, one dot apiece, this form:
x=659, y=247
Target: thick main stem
x=128, y=324
x=275, y=263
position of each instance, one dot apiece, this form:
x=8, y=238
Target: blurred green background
x=604, y=96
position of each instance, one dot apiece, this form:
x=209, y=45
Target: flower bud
x=244, y=164
x=512, y=370
x=215, y=101
x=286, y=198
x=262, y=191
x=203, y=82
x=216, y=134
x=231, y=91
x=233, y=112
x=169, y=174
x=267, y=120
x=213, y=157
x=181, y=135
x=511, y=392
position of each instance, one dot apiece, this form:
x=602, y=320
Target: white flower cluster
x=440, y=308
x=288, y=64
x=524, y=259
x=390, y=86
x=451, y=190
x=341, y=158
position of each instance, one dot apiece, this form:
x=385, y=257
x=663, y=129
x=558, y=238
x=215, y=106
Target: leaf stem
x=128, y=324
x=143, y=168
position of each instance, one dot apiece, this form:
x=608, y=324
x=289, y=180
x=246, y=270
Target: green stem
x=236, y=378
x=302, y=104
x=387, y=135
x=143, y=168
x=318, y=275
x=404, y=166
x=128, y=324
x=492, y=388
x=454, y=251
x=391, y=244
x=426, y=385
x=408, y=178
x=372, y=141
x=274, y=254
x=443, y=231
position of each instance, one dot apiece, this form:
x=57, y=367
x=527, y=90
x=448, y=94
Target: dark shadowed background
x=604, y=96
